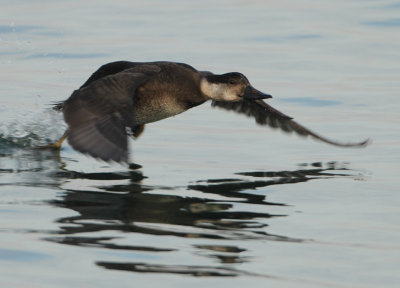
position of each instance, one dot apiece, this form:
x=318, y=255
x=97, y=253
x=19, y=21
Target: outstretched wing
x=98, y=114
x=264, y=115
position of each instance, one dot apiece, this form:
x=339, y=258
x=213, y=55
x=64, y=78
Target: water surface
x=217, y=200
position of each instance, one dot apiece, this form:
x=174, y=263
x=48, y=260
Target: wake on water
x=31, y=129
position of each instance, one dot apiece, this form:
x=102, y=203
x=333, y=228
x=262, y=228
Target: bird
x=121, y=97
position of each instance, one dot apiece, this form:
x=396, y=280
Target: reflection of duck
x=127, y=95
x=118, y=206
x=209, y=221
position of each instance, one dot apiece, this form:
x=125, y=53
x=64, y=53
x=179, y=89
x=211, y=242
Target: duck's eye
x=232, y=81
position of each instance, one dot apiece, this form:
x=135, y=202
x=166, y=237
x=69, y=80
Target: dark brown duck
x=121, y=97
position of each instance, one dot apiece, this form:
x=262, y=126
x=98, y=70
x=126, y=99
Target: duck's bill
x=252, y=93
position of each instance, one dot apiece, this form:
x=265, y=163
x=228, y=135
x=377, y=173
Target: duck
x=120, y=98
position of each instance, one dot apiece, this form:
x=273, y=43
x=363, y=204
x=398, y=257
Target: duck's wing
x=266, y=115
x=103, y=71
x=98, y=114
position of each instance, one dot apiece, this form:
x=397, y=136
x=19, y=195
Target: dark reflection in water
x=216, y=210
x=120, y=211
x=175, y=269
x=158, y=210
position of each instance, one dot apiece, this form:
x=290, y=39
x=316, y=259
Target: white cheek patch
x=211, y=90
x=218, y=91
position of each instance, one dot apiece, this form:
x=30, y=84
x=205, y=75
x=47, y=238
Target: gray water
x=218, y=200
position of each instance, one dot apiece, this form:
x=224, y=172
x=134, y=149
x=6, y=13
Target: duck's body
x=121, y=97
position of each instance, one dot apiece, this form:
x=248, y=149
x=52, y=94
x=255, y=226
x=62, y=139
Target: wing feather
x=266, y=115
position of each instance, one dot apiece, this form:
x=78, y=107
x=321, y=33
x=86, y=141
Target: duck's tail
x=58, y=106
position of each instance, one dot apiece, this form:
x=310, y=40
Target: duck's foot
x=53, y=146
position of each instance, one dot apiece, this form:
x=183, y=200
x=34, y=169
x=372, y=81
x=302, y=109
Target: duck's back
x=109, y=69
x=119, y=66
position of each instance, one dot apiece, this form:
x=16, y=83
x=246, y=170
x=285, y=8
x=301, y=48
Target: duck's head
x=231, y=86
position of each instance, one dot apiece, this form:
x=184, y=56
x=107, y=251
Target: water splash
x=30, y=129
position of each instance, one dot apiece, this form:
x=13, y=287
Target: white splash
x=33, y=128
